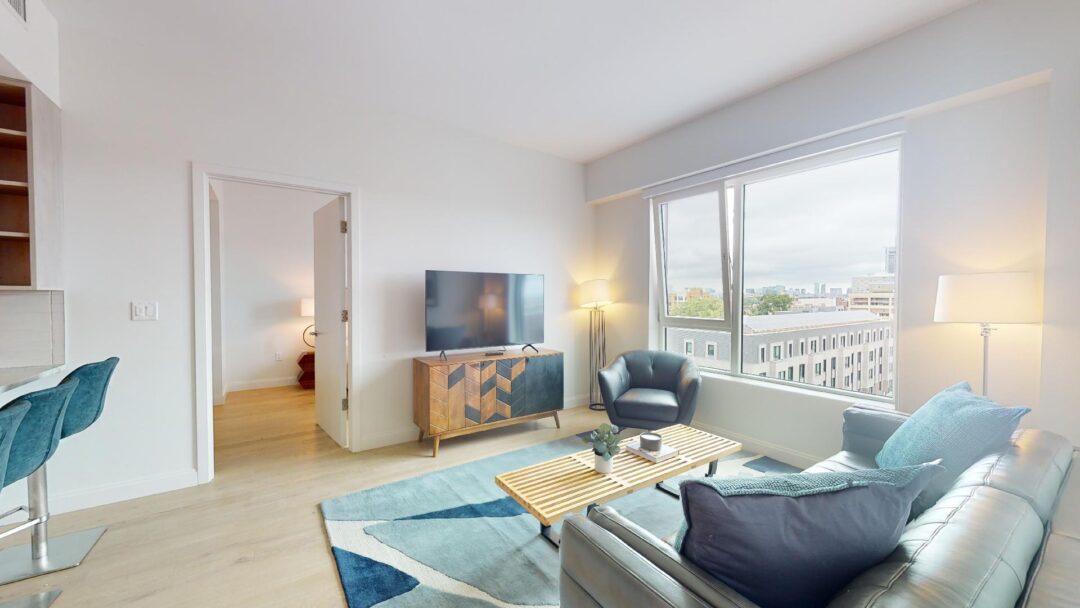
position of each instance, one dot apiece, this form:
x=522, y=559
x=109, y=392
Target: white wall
x=267, y=263
x=140, y=106
x=974, y=199
x=30, y=50
x=622, y=233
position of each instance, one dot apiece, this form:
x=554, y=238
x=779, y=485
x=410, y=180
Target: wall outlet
x=144, y=311
x=277, y=356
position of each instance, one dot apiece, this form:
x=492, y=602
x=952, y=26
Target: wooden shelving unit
x=30, y=201
x=14, y=188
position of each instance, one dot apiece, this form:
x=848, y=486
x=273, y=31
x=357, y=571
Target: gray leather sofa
x=650, y=389
x=1007, y=534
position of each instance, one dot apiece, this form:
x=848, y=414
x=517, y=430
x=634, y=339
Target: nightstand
x=306, y=361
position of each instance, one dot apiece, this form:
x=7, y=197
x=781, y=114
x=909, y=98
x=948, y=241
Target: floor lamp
x=986, y=298
x=594, y=295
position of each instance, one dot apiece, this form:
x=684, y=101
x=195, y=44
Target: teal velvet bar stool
x=86, y=387
x=89, y=399
x=10, y=417
x=35, y=441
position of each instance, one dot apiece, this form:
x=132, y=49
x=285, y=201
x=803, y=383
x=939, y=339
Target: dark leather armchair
x=647, y=389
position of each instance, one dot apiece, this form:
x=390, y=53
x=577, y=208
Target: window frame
x=666, y=320
x=741, y=175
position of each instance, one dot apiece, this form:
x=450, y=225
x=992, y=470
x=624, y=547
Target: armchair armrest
x=664, y=557
x=614, y=380
x=687, y=390
x=598, y=569
x=867, y=428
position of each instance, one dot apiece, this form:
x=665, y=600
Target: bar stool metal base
x=38, y=600
x=65, y=552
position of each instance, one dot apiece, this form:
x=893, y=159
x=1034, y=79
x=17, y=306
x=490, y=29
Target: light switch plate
x=144, y=311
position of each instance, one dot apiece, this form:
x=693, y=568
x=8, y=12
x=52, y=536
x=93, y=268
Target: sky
x=824, y=225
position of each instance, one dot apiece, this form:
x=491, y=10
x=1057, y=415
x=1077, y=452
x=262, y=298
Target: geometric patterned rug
x=452, y=538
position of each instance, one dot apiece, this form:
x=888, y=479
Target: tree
x=699, y=308
x=769, y=303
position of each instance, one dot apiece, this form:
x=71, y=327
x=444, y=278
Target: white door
x=331, y=321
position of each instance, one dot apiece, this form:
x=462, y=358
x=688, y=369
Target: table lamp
x=307, y=310
x=594, y=295
x=986, y=298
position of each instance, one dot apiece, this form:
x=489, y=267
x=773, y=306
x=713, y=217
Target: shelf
x=10, y=138
x=5, y=234
x=10, y=187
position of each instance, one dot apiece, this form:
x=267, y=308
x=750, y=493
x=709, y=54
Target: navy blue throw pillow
x=797, y=540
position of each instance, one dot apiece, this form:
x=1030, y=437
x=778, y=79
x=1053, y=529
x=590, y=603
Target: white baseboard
x=64, y=502
x=576, y=401
x=765, y=448
x=249, y=385
x=382, y=440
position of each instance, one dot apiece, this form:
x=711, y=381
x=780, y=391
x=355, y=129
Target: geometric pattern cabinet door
x=467, y=393
x=447, y=395
x=510, y=387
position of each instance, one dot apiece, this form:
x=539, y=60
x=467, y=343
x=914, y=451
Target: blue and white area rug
x=452, y=538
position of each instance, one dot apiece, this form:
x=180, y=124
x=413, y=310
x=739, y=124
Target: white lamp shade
x=995, y=297
x=307, y=307
x=594, y=293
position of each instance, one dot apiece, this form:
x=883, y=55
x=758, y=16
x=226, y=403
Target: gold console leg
x=435, y=448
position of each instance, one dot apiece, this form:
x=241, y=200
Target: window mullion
x=736, y=279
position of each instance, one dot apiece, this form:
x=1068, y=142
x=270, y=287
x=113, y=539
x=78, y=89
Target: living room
x=579, y=203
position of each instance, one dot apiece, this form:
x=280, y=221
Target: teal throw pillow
x=955, y=425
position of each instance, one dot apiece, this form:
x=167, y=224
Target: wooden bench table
x=549, y=490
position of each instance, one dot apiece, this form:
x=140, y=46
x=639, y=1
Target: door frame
x=202, y=382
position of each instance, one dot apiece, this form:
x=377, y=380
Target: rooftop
x=805, y=320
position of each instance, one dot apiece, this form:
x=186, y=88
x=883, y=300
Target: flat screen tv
x=483, y=309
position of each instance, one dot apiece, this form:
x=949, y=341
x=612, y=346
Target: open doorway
x=273, y=271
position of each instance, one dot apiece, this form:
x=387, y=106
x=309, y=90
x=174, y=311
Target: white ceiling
x=574, y=78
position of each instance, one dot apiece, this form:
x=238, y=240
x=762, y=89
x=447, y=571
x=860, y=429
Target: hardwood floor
x=254, y=536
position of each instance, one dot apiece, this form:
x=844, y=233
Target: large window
x=787, y=268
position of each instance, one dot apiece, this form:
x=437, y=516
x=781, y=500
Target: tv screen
x=483, y=309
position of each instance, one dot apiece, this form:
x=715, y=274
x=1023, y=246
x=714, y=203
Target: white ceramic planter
x=603, y=465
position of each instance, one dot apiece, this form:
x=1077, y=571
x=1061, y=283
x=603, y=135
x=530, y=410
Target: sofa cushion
x=648, y=404
x=1032, y=466
x=843, y=462
x=795, y=540
x=955, y=425
x=972, y=548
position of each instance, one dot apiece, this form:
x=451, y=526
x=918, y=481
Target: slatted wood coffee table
x=549, y=490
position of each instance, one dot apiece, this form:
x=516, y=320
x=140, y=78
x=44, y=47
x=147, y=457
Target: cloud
x=824, y=225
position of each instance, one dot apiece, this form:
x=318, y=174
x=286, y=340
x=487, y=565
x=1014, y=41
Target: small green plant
x=605, y=441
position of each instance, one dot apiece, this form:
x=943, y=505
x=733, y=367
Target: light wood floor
x=253, y=537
